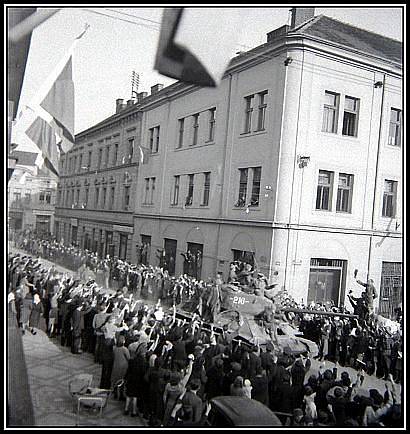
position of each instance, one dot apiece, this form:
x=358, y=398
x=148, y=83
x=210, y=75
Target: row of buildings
x=293, y=163
x=31, y=195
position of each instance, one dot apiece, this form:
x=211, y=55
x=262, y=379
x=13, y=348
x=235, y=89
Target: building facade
x=97, y=188
x=292, y=163
x=32, y=195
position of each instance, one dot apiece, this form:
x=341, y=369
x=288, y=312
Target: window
x=344, y=193
x=350, y=116
x=190, y=196
x=389, y=198
x=75, y=164
x=324, y=191
x=130, y=149
x=395, y=127
x=89, y=160
x=157, y=140
x=151, y=139
x=180, y=132
x=115, y=156
x=207, y=185
x=80, y=163
x=330, y=112
x=195, y=126
x=112, y=198
x=104, y=197
x=97, y=194
x=262, y=110
x=243, y=187
x=99, y=158
x=211, y=136
x=40, y=197
x=149, y=191
x=152, y=191
x=48, y=197
x=17, y=197
x=176, y=190
x=248, y=113
x=154, y=139
x=107, y=156
x=256, y=186
x=146, y=191
x=86, y=197
x=126, y=197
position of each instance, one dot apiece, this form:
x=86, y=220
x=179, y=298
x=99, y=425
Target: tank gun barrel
x=319, y=312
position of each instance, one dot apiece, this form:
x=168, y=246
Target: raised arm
x=188, y=372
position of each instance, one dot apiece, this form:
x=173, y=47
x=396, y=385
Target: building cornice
x=273, y=225
x=97, y=172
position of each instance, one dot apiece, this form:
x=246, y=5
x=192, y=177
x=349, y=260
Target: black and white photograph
x=204, y=218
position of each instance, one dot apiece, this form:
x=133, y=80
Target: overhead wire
x=131, y=15
x=121, y=19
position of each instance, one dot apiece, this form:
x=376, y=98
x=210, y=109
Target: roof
x=243, y=411
x=350, y=36
x=25, y=158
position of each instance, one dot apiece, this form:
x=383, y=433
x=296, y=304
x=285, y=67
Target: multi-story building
x=32, y=194
x=292, y=163
x=97, y=189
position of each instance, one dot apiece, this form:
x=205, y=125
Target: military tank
x=241, y=313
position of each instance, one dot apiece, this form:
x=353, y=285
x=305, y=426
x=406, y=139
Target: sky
x=111, y=49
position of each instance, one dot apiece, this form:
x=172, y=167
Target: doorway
x=193, y=260
x=327, y=281
x=170, y=247
x=391, y=295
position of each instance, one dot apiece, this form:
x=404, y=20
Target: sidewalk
x=50, y=367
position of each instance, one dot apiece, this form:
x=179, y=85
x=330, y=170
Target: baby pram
x=86, y=396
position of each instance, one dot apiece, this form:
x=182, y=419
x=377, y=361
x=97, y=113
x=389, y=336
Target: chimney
x=156, y=88
x=278, y=33
x=130, y=102
x=141, y=96
x=300, y=15
x=119, y=103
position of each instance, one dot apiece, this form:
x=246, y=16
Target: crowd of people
x=167, y=369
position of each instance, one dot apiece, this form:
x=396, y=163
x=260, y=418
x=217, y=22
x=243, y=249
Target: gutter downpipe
x=222, y=175
x=376, y=176
x=294, y=168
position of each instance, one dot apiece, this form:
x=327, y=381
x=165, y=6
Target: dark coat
x=260, y=390
x=285, y=398
x=132, y=377
x=339, y=409
x=36, y=312
x=214, y=385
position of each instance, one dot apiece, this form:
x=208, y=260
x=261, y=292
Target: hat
x=338, y=392
x=269, y=346
x=297, y=412
x=236, y=366
x=308, y=390
x=219, y=363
